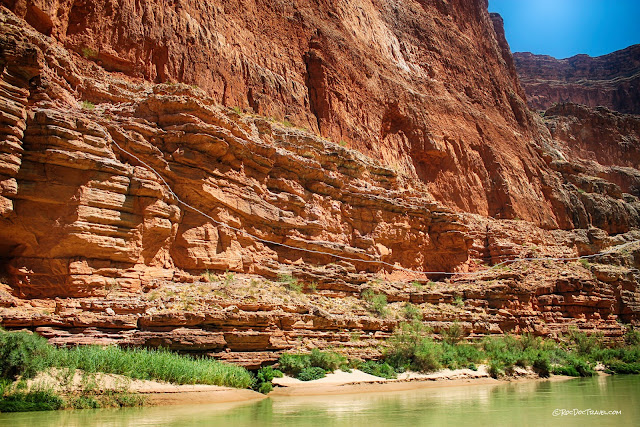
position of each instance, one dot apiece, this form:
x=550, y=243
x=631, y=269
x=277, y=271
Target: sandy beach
x=355, y=382
x=360, y=382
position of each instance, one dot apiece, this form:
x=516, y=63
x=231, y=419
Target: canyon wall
x=611, y=81
x=421, y=85
x=171, y=173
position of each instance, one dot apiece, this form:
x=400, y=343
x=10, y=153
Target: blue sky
x=563, y=28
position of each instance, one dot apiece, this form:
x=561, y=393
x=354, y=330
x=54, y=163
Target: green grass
x=158, y=364
x=24, y=354
x=40, y=400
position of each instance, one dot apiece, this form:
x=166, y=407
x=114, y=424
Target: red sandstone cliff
x=421, y=85
x=374, y=131
x=612, y=80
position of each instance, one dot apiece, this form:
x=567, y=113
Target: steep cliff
x=145, y=149
x=421, y=85
x=612, y=80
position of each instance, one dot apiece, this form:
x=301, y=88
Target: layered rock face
x=612, y=80
x=82, y=210
x=421, y=85
x=364, y=136
x=597, y=151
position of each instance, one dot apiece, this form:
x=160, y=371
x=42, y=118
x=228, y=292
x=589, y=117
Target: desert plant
x=88, y=105
x=327, y=360
x=311, y=373
x=453, y=334
x=290, y=282
x=376, y=303
x=411, y=312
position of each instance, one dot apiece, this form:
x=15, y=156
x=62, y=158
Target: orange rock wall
x=425, y=86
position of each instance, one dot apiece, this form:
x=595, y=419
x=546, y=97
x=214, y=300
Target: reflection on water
x=526, y=404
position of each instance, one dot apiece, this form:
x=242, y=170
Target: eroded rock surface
x=611, y=81
x=400, y=136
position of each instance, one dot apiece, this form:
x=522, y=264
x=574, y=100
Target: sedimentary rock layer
x=612, y=80
x=362, y=132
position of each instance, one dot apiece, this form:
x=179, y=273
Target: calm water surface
x=518, y=404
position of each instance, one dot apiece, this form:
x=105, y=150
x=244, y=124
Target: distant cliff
x=612, y=80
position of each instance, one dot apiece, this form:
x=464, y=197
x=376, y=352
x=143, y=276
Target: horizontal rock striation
x=425, y=86
x=611, y=81
x=127, y=187
x=83, y=212
x=251, y=321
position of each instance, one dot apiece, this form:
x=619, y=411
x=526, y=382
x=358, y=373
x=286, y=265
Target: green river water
x=515, y=404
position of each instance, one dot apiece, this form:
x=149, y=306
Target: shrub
x=460, y=356
x=89, y=53
x=376, y=303
x=411, y=312
x=379, y=369
x=404, y=343
x=453, y=334
x=264, y=376
x=411, y=348
x=290, y=282
x=311, y=373
x=327, y=360
x=542, y=366
x=632, y=337
x=265, y=388
x=574, y=367
x=618, y=367
x=23, y=354
x=88, y=105
x=427, y=356
x=584, y=343
x=293, y=364
x=496, y=368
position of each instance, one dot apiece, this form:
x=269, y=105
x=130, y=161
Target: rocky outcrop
x=597, y=151
x=612, y=80
x=249, y=320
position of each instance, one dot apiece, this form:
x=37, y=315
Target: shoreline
x=339, y=383
x=180, y=395
x=412, y=381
